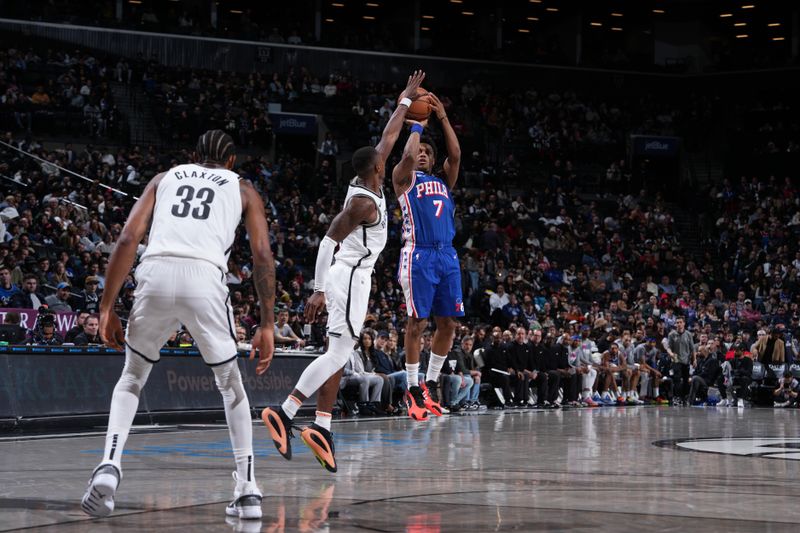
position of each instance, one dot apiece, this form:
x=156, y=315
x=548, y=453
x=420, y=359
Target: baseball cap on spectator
x=384, y=334
x=91, y=279
x=748, y=301
x=129, y=285
x=63, y=285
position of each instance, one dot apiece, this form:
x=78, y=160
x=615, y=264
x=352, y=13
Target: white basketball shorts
x=172, y=291
x=347, y=297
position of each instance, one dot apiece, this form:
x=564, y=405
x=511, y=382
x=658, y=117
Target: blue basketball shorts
x=431, y=280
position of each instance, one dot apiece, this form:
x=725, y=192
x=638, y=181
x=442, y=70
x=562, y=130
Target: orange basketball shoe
x=320, y=440
x=430, y=389
x=415, y=401
x=280, y=429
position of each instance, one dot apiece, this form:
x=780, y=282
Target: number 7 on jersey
x=439, y=205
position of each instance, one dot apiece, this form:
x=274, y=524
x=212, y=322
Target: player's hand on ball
x=414, y=81
x=314, y=306
x=437, y=107
x=111, y=330
x=264, y=342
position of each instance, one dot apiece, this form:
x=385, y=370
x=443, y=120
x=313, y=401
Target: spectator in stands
x=706, y=374
x=12, y=331
x=29, y=298
x=284, y=335
x=90, y=298
x=90, y=335
x=788, y=391
x=61, y=301
x=535, y=353
x=7, y=289
x=78, y=328
x=456, y=377
x=356, y=373
x=499, y=368
x=520, y=355
x=740, y=378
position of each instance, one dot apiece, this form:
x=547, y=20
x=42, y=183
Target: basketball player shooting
x=429, y=271
x=359, y=232
x=195, y=210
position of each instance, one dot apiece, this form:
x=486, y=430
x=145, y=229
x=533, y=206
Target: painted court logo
x=786, y=448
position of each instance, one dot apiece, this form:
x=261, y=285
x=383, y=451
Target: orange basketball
x=420, y=109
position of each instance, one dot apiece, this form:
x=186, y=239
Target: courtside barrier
x=37, y=382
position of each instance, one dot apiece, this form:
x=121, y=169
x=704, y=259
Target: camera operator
x=44, y=333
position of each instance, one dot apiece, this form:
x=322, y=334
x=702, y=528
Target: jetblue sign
x=655, y=146
x=293, y=123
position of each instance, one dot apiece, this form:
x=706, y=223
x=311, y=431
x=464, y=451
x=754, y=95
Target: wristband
x=417, y=128
x=406, y=102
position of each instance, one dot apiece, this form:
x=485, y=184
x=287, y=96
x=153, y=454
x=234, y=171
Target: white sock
x=412, y=372
x=324, y=366
x=655, y=391
x=435, y=367
x=291, y=405
x=124, y=403
x=323, y=420
x=237, y=414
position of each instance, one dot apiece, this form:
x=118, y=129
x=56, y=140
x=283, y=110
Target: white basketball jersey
x=196, y=214
x=362, y=247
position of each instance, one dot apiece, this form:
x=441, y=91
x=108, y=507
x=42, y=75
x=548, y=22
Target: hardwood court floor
x=607, y=469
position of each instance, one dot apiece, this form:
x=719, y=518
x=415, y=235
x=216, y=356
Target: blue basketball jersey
x=428, y=210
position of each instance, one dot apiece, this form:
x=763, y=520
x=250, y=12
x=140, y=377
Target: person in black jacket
x=30, y=297
x=550, y=363
x=567, y=374
x=496, y=367
x=706, y=373
x=90, y=335
x=520, y=354
x=741, y=376
x=536, y=370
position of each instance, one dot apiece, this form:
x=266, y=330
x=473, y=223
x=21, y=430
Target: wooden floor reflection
x=609, y=469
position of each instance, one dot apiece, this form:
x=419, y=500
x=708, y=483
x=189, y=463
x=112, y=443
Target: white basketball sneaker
x=99, y=498
x=246, y=502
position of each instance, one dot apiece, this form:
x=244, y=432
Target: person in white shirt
x=498, y=300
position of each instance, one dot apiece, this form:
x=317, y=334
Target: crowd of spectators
x=557, y=262
x=55, y=91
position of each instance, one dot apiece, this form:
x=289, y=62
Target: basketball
x=420, y=109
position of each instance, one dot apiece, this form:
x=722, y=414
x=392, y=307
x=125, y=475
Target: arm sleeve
x=324, y=260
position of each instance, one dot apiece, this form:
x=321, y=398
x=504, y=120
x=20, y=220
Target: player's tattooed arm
x=255, y=221
x=392, y=130
x=401, y=174
x=263, y=263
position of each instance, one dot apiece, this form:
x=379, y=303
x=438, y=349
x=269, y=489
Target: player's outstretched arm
x=453, y=162
x=401, y=173
x=392, y=130
x=359, y=210
x=121, y=262
x=263, y=273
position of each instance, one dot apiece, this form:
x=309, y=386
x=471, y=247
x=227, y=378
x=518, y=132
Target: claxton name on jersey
x=215, y=178
x=432, y=188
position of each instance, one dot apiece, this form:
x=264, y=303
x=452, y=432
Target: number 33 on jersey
x=196, y=214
